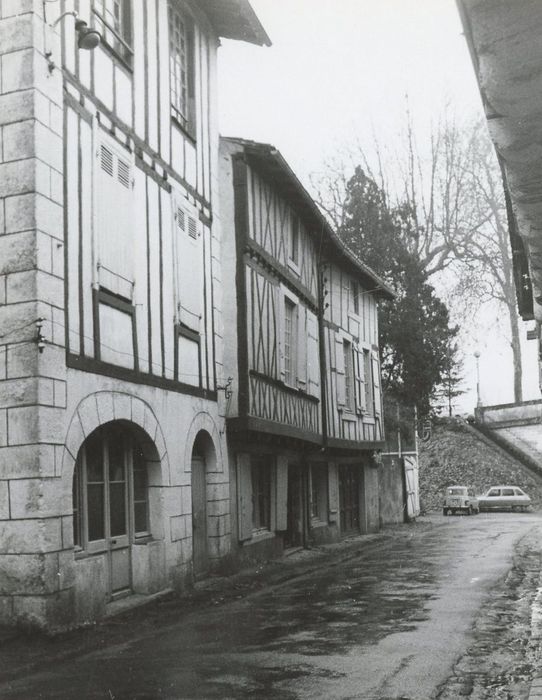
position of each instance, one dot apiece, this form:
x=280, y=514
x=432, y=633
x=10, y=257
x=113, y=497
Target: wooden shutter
x=376, y=383
x=115, y=217
x=359, y=381
x=281, y=494
x=339, y=370
x=189, y=266
x=244, y=497
x=301, y=343
x=313, y=356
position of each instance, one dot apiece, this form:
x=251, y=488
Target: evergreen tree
x=415, y=331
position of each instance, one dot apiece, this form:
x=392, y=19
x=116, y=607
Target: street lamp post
x=478, y=398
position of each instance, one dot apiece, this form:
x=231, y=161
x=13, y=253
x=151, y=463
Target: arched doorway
x=203, y=458
x=111, y=501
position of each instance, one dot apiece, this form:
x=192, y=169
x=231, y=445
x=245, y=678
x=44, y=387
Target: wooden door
x=349, y=497
x=199, y=516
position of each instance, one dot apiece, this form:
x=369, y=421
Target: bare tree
x=449, y=193
x=426, y=186
x=485, y=270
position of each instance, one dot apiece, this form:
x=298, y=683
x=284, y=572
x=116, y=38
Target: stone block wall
x=32, y=385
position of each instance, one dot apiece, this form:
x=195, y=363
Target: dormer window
x=181, y=69
x=114, y=21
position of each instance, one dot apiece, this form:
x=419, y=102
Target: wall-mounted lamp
x=87, y=38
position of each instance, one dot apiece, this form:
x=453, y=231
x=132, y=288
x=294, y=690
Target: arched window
x=110, y=491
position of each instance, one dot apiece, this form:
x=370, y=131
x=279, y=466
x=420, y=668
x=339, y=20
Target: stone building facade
x=113, y=466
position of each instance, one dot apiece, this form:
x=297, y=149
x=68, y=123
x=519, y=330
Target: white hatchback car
x=504, y=498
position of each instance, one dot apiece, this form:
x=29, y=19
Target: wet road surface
x=389, y=622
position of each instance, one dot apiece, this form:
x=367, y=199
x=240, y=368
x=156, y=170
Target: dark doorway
x=349, y=497
x=295, y=533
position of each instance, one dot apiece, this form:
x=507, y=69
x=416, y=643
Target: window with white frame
x=181, y=67
x=114, y=21
x=348, y=376
x=290, y=338
x=110, y=489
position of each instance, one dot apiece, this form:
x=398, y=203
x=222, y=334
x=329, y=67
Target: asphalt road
x=390, y=621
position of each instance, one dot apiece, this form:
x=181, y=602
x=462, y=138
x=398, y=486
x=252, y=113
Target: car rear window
x=508, y=492
x=456, y=492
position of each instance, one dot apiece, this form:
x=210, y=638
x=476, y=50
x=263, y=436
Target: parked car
x=460, y=499
x=504, y=498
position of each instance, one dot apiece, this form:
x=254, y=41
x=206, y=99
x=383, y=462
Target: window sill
x=260, y=535
x=186, y=131
x=118, y=58
x=317, y=523
x=349, y=415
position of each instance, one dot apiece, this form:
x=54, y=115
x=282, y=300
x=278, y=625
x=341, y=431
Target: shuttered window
x=359, y=381
x=189, y=267
x=377, y=395
x=367, y=369
x=290, y=337
x=115, y=218
x=348, y=376
x=313, y=355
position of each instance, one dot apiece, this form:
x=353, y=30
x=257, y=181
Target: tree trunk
x=516, y=354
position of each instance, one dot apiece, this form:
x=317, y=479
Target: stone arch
x=103, y=407
x=203, y=423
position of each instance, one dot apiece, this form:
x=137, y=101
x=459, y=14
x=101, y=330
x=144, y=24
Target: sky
x=337, y=76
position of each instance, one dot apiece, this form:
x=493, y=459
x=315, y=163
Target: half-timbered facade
x=304, y=398
x=354, y=426
x=113, y=467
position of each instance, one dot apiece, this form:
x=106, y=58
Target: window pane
x=116, y=453
x=94, y=456
x=140, y=486
x=76, y=505
x=117, y=516
x=189, y=361
x=116, y=339
x=140, y=516
x=95, y=509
